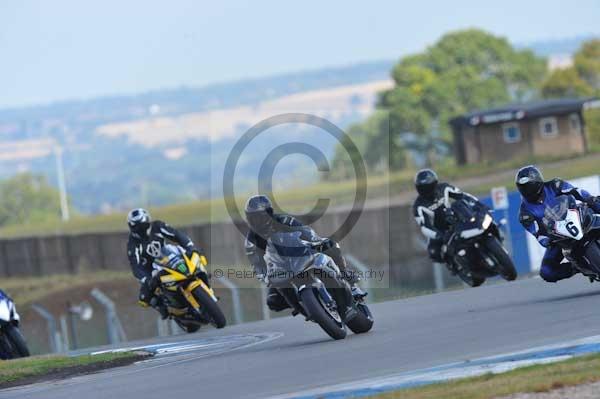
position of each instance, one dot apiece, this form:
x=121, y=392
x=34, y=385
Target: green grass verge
x=339, y=192
x=540, y=378
x=13, y=371
x=26, y=290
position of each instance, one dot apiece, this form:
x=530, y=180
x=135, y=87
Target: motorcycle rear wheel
x=466, y=275
x=363, y=321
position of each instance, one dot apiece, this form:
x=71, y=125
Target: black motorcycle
x=12, y=343
x=474, y=250
x=575, y=228
x=312, y=285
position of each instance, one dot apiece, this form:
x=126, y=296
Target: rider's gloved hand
x=263, y=278
x=189, y=251
x=594, y=203
x=446, y=237
x=152, y=283
x=544, y=241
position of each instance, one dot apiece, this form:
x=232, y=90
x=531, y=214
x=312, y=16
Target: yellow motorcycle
x=185, y=290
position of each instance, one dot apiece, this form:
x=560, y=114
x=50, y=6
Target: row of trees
x=27, y=198
x=464, y=70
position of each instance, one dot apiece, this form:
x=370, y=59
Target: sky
x=68, y=49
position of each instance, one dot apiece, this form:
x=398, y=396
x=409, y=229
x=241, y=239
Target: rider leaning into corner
x=536, y=196
x=429, y=211
x=262, y=223
x=146, y=239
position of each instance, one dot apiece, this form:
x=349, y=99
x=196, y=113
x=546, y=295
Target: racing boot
x=357, y=292
x=161, y=307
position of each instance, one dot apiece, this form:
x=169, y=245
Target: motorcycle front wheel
x=334, y=328
x=506, y=267
x=592, y=254
x=210, y=307
x=17, y=341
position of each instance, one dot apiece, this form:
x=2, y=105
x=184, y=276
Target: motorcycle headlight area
x=487, y=222
x=4, y=311
x=470, y=233
x=180, y=267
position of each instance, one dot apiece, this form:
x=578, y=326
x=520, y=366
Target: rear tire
x=505, y=263
x=17, y=341
x=188, y=328
x=211, y=307
x=318, y=314
x=467, y=276
x=363, y=322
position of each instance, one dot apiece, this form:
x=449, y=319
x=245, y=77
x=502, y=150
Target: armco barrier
x=385, y=239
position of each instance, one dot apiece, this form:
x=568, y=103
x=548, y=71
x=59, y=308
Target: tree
x=587, y=63
x=27, y=198
x=566, y=83
x=580, y=80
x=372, y=140
x=463, y=71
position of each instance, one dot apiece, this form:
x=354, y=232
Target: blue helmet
x=259, y=213
x=530, y=183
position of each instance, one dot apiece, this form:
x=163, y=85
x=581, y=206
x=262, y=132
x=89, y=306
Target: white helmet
x=138, y=220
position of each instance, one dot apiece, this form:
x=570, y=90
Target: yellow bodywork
x=173, y=276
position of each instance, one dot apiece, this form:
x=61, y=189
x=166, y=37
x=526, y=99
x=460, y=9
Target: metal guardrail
x=238, y=313
x=54, y=337
x=116, y=333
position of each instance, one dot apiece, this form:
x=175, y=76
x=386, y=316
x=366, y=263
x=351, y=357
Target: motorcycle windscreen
x=287, y=255
x=171, y=257
x=559, y=209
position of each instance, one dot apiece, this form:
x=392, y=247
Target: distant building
x=549, y=127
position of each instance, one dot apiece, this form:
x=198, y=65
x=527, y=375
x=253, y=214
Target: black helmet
x=425, y=182
x=530, y=182
x=259, y=213
x=139, y=221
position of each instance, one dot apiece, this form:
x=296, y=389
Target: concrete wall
x=385, y=239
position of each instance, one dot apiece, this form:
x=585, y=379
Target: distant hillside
x=170, y=145
x=158, y=159
x=189, y=99
x=555, y=47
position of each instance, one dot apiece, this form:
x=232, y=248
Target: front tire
x=212, y=309
x=505, y=264
x=17, y=341
x=592, y=254
x=318, y=314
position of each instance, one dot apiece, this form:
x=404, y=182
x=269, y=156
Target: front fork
x=338, y=294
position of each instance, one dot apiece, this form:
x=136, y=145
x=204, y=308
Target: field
x=395, y=188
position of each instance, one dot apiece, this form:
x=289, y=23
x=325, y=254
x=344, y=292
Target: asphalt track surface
x=287, y=356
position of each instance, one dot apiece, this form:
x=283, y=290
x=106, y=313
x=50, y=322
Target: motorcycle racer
x=536, y=196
